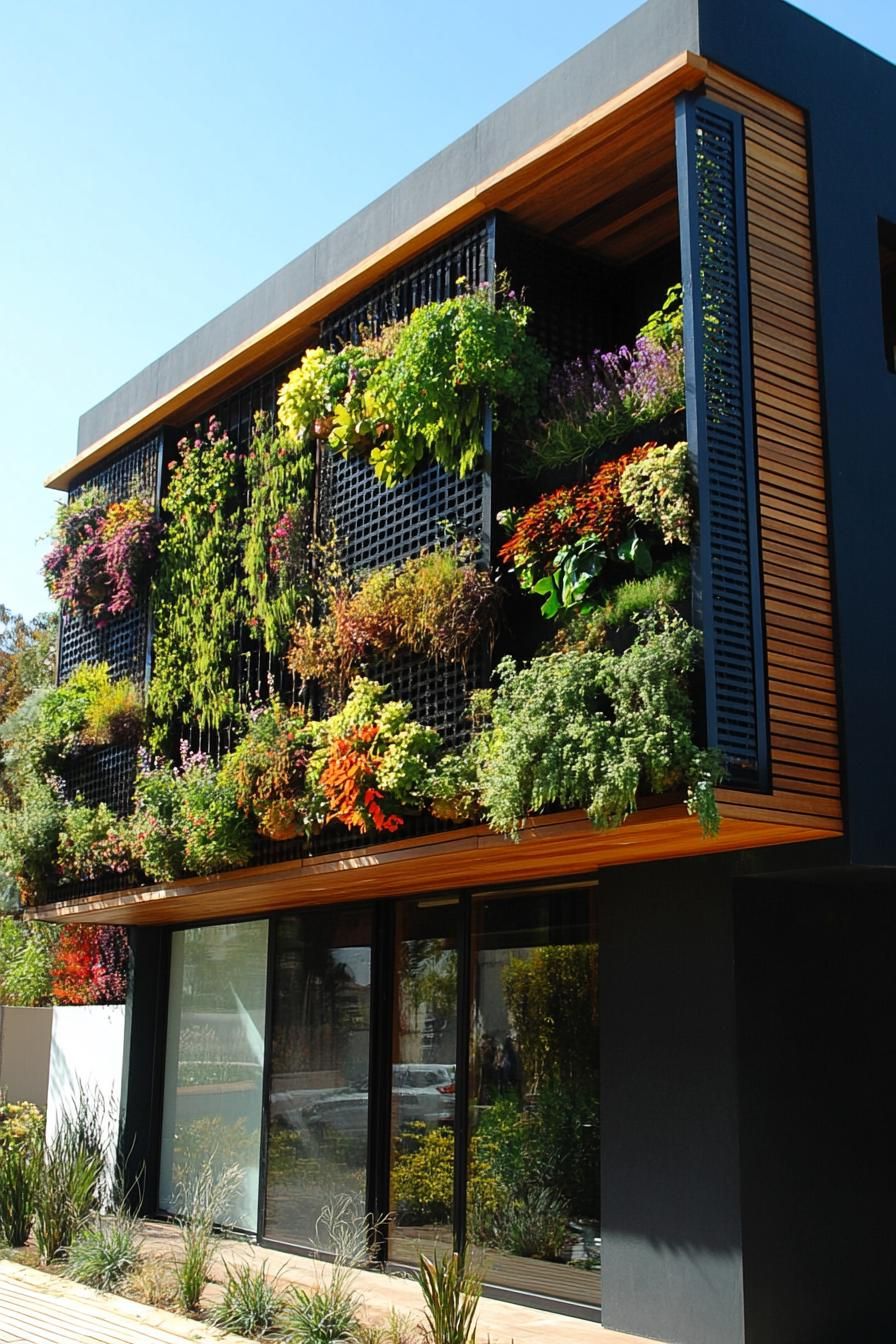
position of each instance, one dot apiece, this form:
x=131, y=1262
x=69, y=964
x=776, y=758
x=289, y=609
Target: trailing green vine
x=198, y=594
x=279, y=471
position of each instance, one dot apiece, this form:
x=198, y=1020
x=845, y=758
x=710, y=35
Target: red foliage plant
x=90, y=966
x=349, y=783
x=594, y=508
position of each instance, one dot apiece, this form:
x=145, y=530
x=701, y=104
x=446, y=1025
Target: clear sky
x=158, y=160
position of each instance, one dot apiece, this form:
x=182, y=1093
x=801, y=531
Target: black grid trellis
x=376, y=525
x=720, y=434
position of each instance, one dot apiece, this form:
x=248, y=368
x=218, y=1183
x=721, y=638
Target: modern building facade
x=691, y=1033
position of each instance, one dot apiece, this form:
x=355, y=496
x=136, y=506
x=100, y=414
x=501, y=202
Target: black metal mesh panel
x=720, y=419
x=378, y=526
x=105, y=775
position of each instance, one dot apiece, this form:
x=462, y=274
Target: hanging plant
x=198, y=599
x=103, y=554
x=92, y=841
x=373, y=760
x=279, y=471
x=590, y=729
x=269, y=773
x=186, y=819
x=439, y=604
x=418, y=390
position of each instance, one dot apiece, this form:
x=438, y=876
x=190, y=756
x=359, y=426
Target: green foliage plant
x=251, y=1303
x=418, y=389
x=92, y=841
x=279, y=472
x=589, y=728
x=450, y=1299
x=29, y=838
x=269, y=774
x=68, y=1187
x=198, y=597
x=448, y=361
x=105, y=1251
x=186, y=819
x=27, y=950
x=657, y=488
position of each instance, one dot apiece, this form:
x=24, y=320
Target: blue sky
x=160, y=160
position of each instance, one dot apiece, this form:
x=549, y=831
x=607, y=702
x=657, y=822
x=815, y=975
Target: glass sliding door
x=214, y=1064
x=320, y=1065
x=533, y=1181
x=424, y=1064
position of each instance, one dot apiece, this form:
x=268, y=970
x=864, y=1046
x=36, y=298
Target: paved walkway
x=40, y=1308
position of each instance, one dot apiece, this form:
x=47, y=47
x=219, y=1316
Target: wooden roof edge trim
x=228, y=893
x=683, y=71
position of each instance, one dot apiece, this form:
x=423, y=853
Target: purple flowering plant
x=596, y=400
x=103, y=554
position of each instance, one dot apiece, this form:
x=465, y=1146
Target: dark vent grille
x=720, y=431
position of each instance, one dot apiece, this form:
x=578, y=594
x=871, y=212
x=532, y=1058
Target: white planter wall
x=53, y=1056
x=86, y=1059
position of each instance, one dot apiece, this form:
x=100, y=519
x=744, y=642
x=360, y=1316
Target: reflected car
x=421, y=1093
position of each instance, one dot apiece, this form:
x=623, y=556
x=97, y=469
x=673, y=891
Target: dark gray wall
x=654, y=33
x=850, y=95
x=815, y=1011
x=671, y=1242
x=143, y=1074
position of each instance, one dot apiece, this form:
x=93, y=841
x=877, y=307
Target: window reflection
x=320, y=1062
x=533, y=1194
x=214, y=1063
x=424, y=1060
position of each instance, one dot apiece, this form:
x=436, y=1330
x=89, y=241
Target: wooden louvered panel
x=790, y=456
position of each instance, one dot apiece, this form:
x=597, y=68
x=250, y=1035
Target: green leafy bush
x=186, y=820
x=92, y=841
x=29, y=838
x=657, y=489
x=27, y=952
x=327, y=1314
x=588, y=729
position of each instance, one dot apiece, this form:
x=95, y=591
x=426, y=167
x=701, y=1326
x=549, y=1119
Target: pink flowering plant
x=186, y=819
x=103, y=554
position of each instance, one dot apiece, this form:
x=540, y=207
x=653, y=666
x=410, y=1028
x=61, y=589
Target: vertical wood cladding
x=790, y=454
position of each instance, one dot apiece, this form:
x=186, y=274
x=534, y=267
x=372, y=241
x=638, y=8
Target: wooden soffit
x=612, y=146
x=560, y=845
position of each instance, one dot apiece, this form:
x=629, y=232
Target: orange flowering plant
x=373, y=761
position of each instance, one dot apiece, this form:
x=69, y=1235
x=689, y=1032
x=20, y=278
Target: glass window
x=214, y=1063
x=424, y=1064
x=320, y=1063
x=533, y=1181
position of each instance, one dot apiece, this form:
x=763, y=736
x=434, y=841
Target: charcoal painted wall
x=671, y=1242
x=815, y=1012
x=849, y=95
